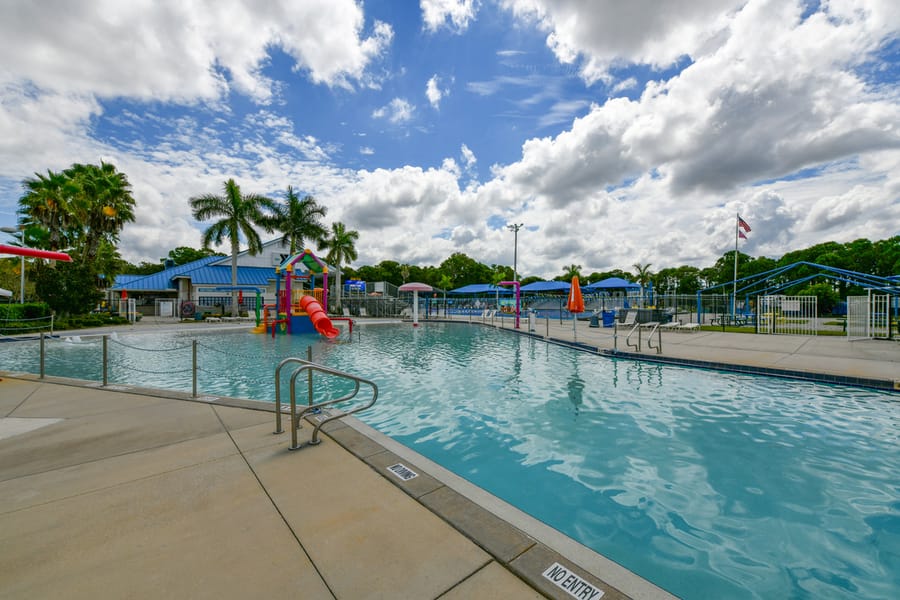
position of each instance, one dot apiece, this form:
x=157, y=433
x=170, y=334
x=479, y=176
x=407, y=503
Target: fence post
x=309, y=377
x=105, y=355
x=42, y=355
x=194, y=368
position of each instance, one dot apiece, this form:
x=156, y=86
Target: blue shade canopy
x=547, y=286
x=611, y=283
x=480, y=288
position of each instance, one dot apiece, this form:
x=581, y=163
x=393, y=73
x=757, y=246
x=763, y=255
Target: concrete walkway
x=140, y=493
x=111, y=494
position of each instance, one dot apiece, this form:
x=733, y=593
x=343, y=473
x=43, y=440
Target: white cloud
x=433, y=92
x=468, y=157
x=454, y=14
x=602, y=33
x=179, y=51
x=625, y=84
x=397, y=111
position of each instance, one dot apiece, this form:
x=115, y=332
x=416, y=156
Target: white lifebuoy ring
x=187, y=309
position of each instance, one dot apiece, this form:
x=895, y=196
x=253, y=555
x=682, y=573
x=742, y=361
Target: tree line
x=83, y=209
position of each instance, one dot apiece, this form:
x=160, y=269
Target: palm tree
x=341, y=247
x=46, y=203
x=239, y=214
x=101, y=206
x=571, y=271
x=643, y=276
x=298, y=220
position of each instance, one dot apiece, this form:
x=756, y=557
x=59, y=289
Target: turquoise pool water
x=709, y=484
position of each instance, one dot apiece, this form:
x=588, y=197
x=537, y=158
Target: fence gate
x=868, y=317
x=788, y=315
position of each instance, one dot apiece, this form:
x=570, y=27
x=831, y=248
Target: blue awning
x=547, y=286
x=610, y=283
x=480, y=288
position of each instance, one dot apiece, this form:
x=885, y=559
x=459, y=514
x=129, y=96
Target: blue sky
x=617, y=133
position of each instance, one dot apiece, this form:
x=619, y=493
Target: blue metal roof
x=163, y=280
x=200, y=272
x=221, y=275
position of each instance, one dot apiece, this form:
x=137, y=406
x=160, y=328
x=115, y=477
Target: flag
x=741, y=235
x=743, y=224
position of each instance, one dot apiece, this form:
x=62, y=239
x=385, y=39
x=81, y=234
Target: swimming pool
x=709, y=484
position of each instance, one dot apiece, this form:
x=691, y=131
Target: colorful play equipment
x=299, y=303
x=518, y=289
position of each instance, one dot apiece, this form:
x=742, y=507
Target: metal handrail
x=308, y=367
x=655, y=329
x=635, y=327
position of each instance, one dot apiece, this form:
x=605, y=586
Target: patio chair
x=630, y=318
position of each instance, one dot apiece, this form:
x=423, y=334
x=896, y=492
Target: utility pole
x=515, y=229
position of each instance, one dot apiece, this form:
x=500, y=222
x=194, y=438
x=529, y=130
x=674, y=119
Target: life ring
x=187, y=309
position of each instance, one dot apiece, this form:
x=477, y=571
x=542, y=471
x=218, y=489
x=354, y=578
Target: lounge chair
x=689, y=327
x=630, y=319
x=362, y=312
x=673, y=325
x=346, y=311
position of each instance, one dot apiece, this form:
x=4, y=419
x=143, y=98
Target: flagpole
x=737, y=218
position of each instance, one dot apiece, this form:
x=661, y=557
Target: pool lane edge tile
x=502, y=540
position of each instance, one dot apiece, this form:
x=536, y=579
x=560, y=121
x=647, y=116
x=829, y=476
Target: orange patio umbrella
x=575, y=304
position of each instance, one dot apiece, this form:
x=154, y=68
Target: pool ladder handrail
x=654, y=328
x=308, y=367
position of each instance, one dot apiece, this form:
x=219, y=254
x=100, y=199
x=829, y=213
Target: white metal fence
x=868, y=317
x=788, y=315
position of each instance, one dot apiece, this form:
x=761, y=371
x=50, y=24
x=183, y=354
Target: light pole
x=13, y=230
x=515, y=229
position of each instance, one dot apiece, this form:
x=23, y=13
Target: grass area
x=750, y=329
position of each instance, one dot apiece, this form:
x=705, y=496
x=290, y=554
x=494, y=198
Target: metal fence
x=868, y=317
x=790, y=315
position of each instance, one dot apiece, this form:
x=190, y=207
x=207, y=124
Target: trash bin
x=609, y=317
x=595, y=320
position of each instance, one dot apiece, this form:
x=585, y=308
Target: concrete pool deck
x=128, y=492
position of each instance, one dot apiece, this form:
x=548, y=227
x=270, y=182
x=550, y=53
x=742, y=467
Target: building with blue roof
x=191, y=286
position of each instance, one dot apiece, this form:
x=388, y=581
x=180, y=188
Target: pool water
x=709, y=484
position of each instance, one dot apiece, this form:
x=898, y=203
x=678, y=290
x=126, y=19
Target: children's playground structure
x=299, y=306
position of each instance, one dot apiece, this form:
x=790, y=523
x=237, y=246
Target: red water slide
x=34, y=253
x=317, y=315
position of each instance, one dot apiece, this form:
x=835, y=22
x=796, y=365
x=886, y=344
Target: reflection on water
x=712, y=485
